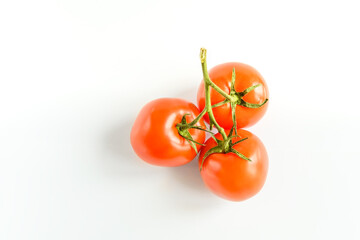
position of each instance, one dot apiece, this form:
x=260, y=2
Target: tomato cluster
x=233, y=163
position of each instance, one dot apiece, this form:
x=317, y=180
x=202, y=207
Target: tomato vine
x=234, y=98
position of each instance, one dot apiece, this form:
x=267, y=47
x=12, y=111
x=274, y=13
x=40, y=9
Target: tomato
x=155, y=138
x=231, y=177
x=246, y=76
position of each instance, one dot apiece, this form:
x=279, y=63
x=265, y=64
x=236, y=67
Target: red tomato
x=246, y=76
x=231, y=177
x=155, y=138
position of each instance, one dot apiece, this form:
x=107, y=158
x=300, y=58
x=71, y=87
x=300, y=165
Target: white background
x=74, y=74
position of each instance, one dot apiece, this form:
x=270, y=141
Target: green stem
x=207, y=83
x=207, y=77
x=198, y=117
x=204, y=112
x=220, y=103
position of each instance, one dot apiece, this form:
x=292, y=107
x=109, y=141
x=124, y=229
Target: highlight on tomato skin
x=246, y=76
x=231, y=177
x=155, y=138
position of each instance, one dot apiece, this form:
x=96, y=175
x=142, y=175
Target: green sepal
x=189, y=139
x=242, y=102
x=239, y=141
x=239, y=154
x=205, y=130
x=220, y=103
x=233, y=114
x=251, y=105
x=186, y=134
x=233, y=104
x=234, y=136
x=249, y=89
x=231, y=132
x=202, y=129
x=233, y=77
x=216, y=149
x=183, y=119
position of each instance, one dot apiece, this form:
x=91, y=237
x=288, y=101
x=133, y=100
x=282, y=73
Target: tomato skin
x=231, y=177
x=246, y=76
x=154, y=136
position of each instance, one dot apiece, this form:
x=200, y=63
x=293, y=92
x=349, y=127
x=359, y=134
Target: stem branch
x=204, y=112
x=209, y=83
x=198, y=117
x=207, y=77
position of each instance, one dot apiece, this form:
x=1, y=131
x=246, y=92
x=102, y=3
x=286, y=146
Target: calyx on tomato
x=225, y=146
x=183, y=130
x=236, y=98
